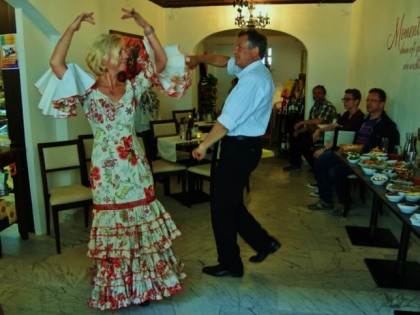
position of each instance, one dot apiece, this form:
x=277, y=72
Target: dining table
x=167, y=149
x=387, y=273
x=204, y=126
x=168, y=146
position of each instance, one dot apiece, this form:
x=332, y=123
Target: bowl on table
x=415, y=219
x=353, y=158
x=365, y=156
x=394, y=196
x=389, y=172
x=369, y=170
x=379, y=179
x=407, y=207
x=382, y=157
x=412, y=196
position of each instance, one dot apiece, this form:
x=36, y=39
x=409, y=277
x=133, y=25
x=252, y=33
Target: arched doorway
x=288, y=59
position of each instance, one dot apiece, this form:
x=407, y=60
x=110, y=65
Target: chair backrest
x=61, y=157
x=328, y=136
x=160, y=128
x=163, y=128
x=87, y=147
x=343, y=136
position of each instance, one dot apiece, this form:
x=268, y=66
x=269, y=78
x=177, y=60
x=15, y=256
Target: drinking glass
x=384, y=145
x=411, y=159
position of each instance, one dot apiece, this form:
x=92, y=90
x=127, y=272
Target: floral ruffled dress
x=132, y=233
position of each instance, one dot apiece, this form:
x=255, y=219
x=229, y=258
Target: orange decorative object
x=12, y=169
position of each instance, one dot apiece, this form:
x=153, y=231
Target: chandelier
x=249, y=21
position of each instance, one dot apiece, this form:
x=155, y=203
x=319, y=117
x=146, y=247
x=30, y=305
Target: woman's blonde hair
x=106, y=46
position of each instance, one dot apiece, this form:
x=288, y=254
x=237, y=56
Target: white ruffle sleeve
x=60, y=97
x=175, y=79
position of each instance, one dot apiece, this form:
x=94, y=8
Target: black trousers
x=230, y=217
x=301, y=145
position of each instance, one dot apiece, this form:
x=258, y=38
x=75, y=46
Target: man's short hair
x=380, y=92
x=355, y=93
x=255, y=39
x=321, y=87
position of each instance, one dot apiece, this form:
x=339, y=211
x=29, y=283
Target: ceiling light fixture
x=249, y=20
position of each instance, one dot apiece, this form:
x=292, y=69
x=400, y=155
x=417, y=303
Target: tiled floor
x=317, y=271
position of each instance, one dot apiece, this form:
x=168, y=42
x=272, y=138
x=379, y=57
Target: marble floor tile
x=316, y=271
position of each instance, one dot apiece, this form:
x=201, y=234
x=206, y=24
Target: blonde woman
x=132, y=233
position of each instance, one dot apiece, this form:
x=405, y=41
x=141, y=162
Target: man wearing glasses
x=351, y=119
x=241, y=124
x=330, y=172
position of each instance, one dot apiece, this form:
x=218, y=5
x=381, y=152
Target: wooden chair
x=162, y=169
x=63, y=172
x=197, y=173
x=178, y=115
x=87, y=148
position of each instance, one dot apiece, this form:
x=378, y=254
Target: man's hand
x=298, y=125
x=192, y=61
x=315, y=135
x=319, y=152
x=199, y=152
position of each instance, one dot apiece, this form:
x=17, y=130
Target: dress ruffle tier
x=135, y=259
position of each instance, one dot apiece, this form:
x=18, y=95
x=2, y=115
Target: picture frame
x=135, y=47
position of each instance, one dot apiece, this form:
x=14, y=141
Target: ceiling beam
x=198, y=3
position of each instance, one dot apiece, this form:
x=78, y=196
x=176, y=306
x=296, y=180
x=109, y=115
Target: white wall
x=374, y=64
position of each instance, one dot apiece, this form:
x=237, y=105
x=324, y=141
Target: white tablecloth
x=167, y=146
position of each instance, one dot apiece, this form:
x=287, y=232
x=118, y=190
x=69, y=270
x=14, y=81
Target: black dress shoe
x=145, y=303
x=262, y=255
x=220, y=271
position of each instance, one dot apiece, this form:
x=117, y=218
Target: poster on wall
x=9, y=58
x=135, y=48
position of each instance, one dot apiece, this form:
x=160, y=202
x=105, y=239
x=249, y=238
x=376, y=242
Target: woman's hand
x=132, y=14
x=84, y=17
x=58, y=57
x=160, y=55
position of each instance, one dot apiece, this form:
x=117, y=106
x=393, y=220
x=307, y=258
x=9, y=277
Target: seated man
x=351, y=120
x=322, y=112
x=330, y=172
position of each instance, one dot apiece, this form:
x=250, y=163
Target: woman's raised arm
x=58, y=57
x=160, y=55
